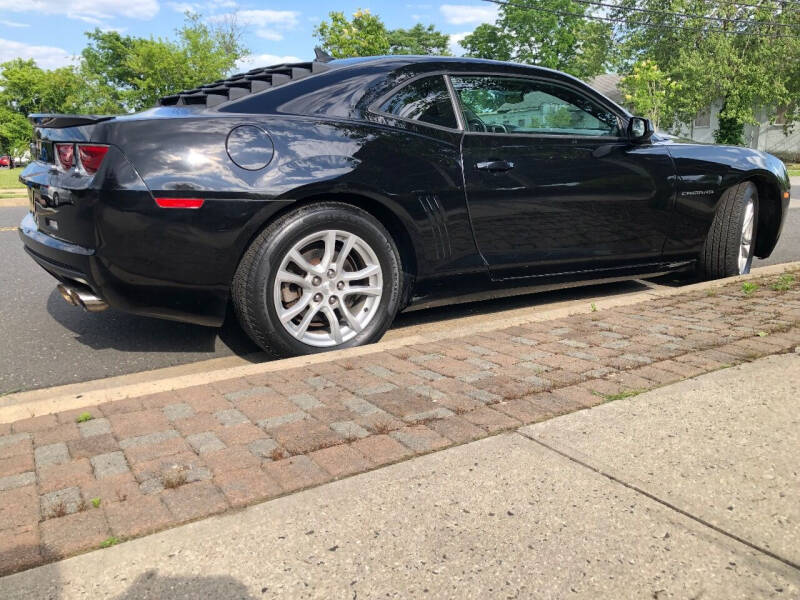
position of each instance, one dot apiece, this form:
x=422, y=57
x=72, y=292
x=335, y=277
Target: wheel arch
x=770, y=213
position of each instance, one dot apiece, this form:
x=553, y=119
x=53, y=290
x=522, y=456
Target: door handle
x=494, y=166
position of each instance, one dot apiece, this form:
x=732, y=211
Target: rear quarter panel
x=410, y=171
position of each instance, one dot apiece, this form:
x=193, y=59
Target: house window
x=703, y=118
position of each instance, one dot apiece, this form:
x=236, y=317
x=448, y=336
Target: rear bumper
x=65, y=261
x=72, y=263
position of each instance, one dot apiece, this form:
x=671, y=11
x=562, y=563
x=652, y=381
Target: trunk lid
x=63, y=201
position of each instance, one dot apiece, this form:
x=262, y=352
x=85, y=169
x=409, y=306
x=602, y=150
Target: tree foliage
x=131, y=73
x=549, y=33
x=418, y=40
x=363, y=35
x=750, y=66
x=26, y=89
x=649, y=92
x=366, y=35
x=116, y=73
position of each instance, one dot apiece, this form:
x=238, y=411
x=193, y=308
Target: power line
x=640, y=23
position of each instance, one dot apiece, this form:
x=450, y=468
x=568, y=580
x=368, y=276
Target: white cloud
x=86, y=10
x=201, y=7
x=47, y=57
x=13, y=23
x=455, y=43
x=264, y=60
x=183, y=7
x=461, y=14
x=262, y=18
x=270, y=34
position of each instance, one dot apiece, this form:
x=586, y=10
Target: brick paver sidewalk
x=69, y=482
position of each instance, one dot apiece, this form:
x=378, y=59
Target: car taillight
x=91, y=157
x=66, y=155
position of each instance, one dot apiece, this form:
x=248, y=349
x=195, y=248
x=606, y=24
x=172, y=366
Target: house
x=766, y=136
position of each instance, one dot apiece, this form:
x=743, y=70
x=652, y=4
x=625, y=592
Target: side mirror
x=639, y=129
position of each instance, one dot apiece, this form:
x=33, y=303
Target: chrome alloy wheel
x=747, y=238
x=328, y=288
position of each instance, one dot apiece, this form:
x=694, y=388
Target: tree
x=549, y=33
x=649, y=91
x=26, y=89
x=488, y=41
x=15, y=132
x=130, y=73
x=364, y=35
x=418, y=40
x=718, y=51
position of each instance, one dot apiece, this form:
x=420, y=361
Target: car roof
x=428, y=58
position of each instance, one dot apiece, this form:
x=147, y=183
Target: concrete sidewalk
x=688, y=491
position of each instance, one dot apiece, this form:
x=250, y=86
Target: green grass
x=784, y=283
x=96, y=502
x=794, y=168
x=107, y=543
x=9, y=178
x=622, y=395
x=748, y=287
x=83, y=417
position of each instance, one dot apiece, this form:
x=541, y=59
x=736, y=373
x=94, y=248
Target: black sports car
x=323, y=197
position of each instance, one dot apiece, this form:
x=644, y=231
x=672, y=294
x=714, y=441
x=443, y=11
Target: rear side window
x=426, y=100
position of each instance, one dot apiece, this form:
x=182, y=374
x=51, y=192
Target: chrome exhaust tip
x=89, y=302
x=85, y=299
x=66, y=294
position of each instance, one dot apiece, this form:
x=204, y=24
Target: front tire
x=729, y=247
x=322, y=277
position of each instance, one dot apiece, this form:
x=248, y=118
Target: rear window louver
x=242, y=84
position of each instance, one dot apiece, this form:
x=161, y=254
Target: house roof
x=608, y=85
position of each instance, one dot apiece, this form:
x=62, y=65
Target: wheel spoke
x=287, y=277
x=330, y=247
x=333, y=322
x=362, y=274
x=301, y=262
x=362, y=290
x=350, y=318
x=290, y=313
x=345, y=251
x=303, y=326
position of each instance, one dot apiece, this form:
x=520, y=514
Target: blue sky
x=52, y=31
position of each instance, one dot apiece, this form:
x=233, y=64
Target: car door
x=552, y=182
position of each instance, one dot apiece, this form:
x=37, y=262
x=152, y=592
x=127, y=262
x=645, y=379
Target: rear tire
x=322, y=277
x=728, y=249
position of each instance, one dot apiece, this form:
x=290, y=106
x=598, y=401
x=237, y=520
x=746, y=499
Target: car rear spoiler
x=55, y=121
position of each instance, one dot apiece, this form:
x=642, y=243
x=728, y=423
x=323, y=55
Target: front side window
x=524, y=106
x=426, y=100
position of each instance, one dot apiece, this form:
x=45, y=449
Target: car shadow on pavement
x=132, y=333
x=152, y=585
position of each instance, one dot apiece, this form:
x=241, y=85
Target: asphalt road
x=46, y=342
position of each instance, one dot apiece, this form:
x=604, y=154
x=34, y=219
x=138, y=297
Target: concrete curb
x=45, y=401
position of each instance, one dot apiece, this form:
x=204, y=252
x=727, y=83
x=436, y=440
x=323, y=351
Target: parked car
x=6, y=161
x=321, y=198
